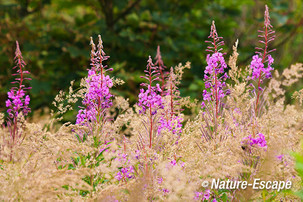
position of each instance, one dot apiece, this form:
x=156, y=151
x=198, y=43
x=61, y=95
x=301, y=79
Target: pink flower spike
x=16, y=101
x=98, y=98
x=259, y=72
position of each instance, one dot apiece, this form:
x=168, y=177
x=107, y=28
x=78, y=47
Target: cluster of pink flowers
x=164, y=191
x=258, y=61
x=151, y=97
x=125, y=173
x=98, y=97
x=258, y=141
x=259, y=71
x=174, y=124
x=17, y=100
x=215, y=65
x=280, y=157
x=174, y=162
x=214, y=76
x=200, y=196
x=258, y=68
x=170, y=118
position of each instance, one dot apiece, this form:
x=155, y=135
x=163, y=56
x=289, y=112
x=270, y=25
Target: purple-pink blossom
x=18, y=101
x=200, y=196
x=258, y=64
x=259, y=69
x=150, y=98
x=258, y=141
x=215, y=66
x=97, y=97
x=280, y=157
x=125, y=173
x=174, y=124
x=214, y=75
x=173, y=162
x=160, y=180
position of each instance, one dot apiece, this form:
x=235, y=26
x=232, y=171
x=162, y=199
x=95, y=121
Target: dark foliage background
x=54, y=38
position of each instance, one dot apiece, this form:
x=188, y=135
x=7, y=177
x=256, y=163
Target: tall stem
x=101, y=82
x=171, y=101
x=163, y=81
x=216, y=97
x=216, y=94
x=263, y=59
x=150, y=110
x=216, y=86
x=151, y=127
x=216, y=90
x=16, y=113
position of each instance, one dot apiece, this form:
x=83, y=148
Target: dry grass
x=44, y=168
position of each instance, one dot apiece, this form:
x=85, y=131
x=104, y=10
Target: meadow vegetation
x=163, y=147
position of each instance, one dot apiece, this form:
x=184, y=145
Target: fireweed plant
x=214, y=78
x=261, y=63
x=150, y=101
x=153, y=151
x=161, y=99
x=17, y=102
x=98, y=98
x=261, y=67
x=169, y=119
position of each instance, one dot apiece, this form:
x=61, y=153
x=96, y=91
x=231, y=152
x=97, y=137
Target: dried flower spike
x=170, y=118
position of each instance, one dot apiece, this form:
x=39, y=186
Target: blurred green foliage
x=299, y=168
x=54, y=38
